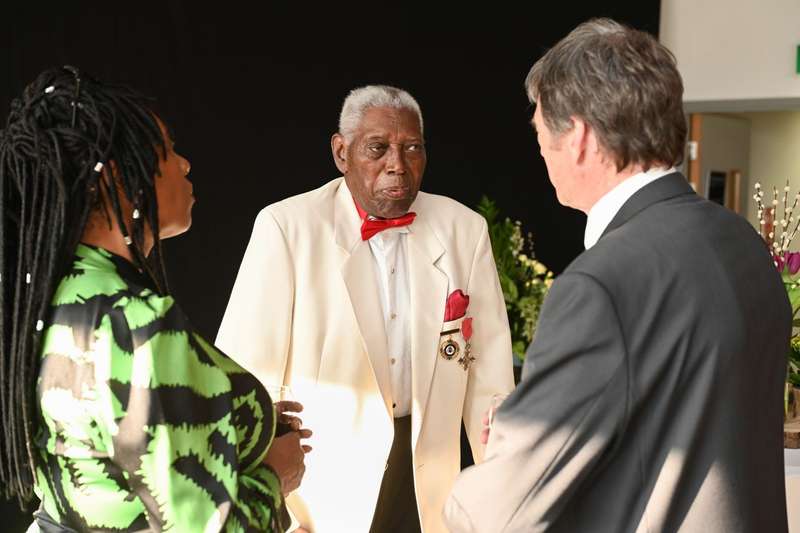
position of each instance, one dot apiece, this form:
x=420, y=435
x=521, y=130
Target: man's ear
x=579, y=139
x=339, y=151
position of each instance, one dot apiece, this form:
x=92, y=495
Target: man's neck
x=603, y=211
x=608, y=181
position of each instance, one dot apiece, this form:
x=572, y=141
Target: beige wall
x=725, y=146
x=734, y=49
x=774, y=154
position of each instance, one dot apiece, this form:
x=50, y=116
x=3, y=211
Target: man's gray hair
x=572, y=46
x=623, y=83
x=363, y=98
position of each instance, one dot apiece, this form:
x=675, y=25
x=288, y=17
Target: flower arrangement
x=778, y=234
x=524, y=280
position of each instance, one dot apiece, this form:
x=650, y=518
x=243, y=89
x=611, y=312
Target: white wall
x=735, y=50
x=774, y=155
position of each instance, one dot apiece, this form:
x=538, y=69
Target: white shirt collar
x=602, y=213
x=389, y=234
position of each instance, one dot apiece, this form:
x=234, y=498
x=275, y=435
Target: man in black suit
x=651, y=397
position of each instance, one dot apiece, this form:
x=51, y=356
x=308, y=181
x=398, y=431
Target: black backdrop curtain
x=253, y=92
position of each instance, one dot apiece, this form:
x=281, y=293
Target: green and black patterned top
x=145, y=425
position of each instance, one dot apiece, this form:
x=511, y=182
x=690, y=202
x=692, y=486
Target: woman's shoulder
x=98, y=279
x=98, y=303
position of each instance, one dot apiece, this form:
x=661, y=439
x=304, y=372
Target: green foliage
x=793, y=374
x=792, y=284
x=524, y=280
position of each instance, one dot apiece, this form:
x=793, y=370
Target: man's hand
x=286, y=406
x=485, y=430
x=287, y=459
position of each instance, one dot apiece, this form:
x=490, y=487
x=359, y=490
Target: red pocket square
x=456, y=305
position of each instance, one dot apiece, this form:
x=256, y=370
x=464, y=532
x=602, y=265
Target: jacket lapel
x=428, y=293
x=669, y=186
x=358, y=273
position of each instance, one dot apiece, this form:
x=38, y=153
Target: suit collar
x=602, y=212
x=428, y=286
x=423, y=236
x=346, y=222
x=662, y=189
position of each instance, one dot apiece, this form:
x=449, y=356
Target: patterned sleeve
x=187, y=427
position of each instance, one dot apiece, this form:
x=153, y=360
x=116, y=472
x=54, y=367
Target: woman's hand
x=287, y=458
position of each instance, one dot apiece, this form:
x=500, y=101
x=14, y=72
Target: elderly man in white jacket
x=379, y=308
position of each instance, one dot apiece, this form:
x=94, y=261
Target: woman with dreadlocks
x=114, y=411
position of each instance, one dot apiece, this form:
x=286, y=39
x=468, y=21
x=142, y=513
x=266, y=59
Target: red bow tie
x=371, y=226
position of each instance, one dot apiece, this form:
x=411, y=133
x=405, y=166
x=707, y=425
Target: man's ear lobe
x=579, y=139
x=339, y=152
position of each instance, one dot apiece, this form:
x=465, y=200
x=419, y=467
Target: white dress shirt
x=389, y=252
x=603, y=212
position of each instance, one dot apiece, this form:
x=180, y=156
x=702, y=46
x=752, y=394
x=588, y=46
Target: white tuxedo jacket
x=305, y=312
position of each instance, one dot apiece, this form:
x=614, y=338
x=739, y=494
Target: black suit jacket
x=652, y=396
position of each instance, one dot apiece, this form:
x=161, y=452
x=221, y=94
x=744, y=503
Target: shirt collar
x=389, y=235
x=602, y=213
x=88, y=257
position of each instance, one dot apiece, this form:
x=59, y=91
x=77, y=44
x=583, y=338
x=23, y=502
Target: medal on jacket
x=448, y=348
x=466, y=330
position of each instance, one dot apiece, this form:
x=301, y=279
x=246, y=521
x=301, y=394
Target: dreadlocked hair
x=60, y=134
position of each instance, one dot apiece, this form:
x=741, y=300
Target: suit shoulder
x=300, y=206
x=662, y=237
